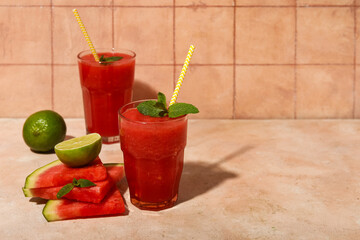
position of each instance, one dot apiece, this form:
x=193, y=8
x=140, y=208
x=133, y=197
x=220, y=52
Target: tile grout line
x=112, y=24
x=295, y=62
x=52, y=55
x=354, y=68
x=234, y=61
x=184, y=6
x=194, y=64
x=174, y=49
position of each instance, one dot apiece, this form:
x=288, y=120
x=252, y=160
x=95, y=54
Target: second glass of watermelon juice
x=153, y=150
x=105, y=88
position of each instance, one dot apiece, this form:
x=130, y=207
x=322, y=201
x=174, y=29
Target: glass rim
x=181, y=118
x=114, y=50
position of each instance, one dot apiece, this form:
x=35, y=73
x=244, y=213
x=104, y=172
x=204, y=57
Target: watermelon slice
x=90, y=194
x=55, y=210
x=57, y=174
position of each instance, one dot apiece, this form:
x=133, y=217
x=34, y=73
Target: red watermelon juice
x=153, y=150
x=105, y=88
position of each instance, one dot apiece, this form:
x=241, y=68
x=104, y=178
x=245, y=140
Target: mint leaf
x=102, y=58
x=113, y=59
x=75, y=183
x=85, y=183
x=65, y=190
x=160, y=105
x=162, y=99
x=180, y=109
x=163, y=113
x=158, y=108
x=106, y=61
x=151, y=108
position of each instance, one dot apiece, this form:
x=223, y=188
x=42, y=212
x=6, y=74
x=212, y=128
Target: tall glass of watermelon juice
x=153, y=149
x=105, y=88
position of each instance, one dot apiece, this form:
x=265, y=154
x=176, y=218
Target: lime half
x=80, y=151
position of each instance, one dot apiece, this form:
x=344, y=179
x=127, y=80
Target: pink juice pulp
x=153, y=151
x=105, y=88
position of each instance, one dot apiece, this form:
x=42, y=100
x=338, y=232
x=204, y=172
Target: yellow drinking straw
x=182, y=75
x=86, y=35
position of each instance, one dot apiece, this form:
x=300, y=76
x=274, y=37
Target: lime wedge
x=80, y=151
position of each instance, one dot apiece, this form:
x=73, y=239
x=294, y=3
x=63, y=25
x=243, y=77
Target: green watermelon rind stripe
x=27, y=191
x=31, y=180
x=50, y=210
x=113, y=164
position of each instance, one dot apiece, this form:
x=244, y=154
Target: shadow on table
x=122, y=185
x=199, y=177
x=67, y=137
x=38, y=200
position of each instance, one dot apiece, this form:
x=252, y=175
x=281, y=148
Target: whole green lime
x=43, y=130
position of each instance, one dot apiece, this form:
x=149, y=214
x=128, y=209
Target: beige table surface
x=242, y=179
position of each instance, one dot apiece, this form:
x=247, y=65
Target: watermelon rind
x=27, y=191
x=49, y=211
x=113, y=164
x=63, y=209
x=30, y=181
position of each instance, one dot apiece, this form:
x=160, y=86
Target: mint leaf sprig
x=109, y=60
x=75, y=183
x=159, y=109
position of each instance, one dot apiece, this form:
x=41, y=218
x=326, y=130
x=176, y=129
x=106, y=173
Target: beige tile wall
x=254, y=59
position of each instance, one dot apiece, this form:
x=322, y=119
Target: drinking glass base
x=108, y=140
x=154, y=206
